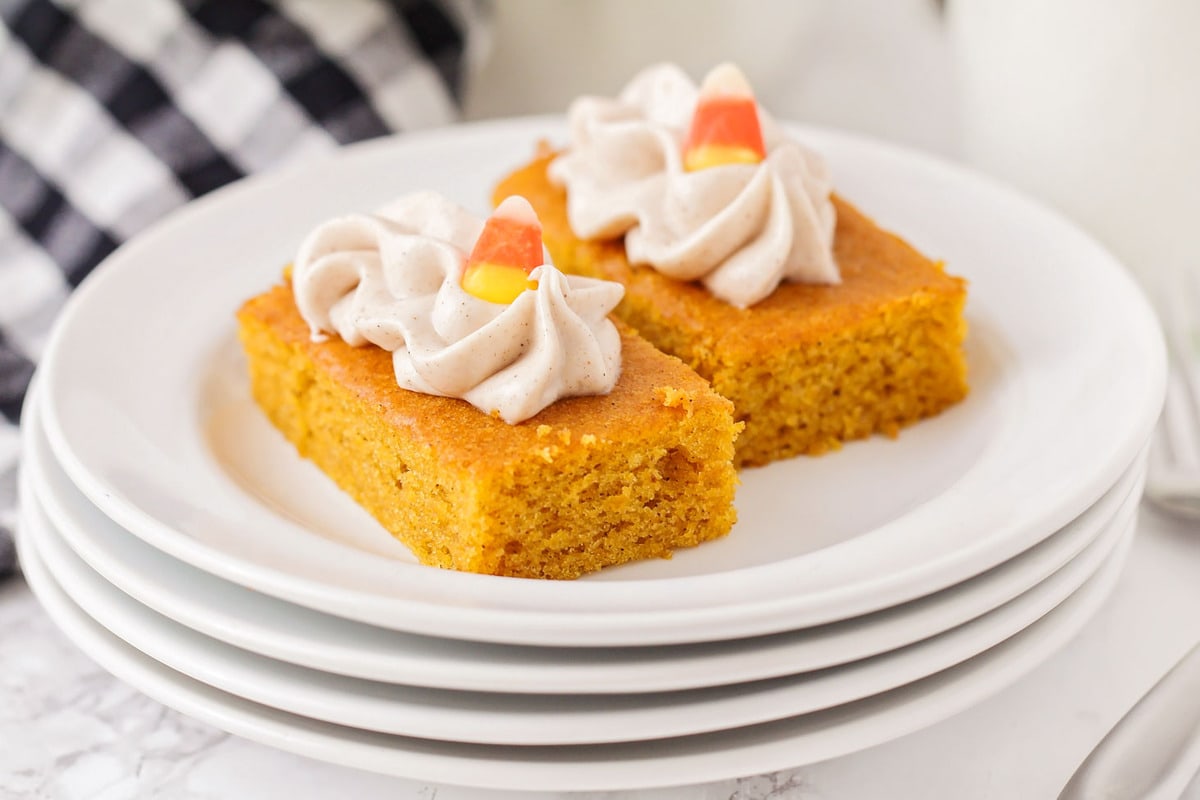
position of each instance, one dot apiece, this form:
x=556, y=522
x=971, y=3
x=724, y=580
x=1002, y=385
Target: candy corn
x=507, y=250
x=725, y=127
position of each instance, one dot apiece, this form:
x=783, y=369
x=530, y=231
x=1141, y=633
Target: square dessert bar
x=586, y=483
x=810, y=366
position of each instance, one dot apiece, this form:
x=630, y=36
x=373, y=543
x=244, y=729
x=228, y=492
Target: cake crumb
x=547, y=454
x=543, y=431
x=588, y=439
x=564, y=436
x=672, y=397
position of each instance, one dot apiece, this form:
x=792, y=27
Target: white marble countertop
x=69, y=730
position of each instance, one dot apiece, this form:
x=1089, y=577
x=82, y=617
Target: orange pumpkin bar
x=810, y=366
x=586, y=483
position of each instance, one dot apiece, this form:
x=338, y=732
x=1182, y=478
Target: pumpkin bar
x=809, y=367
x=586, y=483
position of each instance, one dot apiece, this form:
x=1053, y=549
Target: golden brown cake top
x=653, y=388
x=877, y=268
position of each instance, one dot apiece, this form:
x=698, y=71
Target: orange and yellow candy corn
x=725, y=127
x=507, y=250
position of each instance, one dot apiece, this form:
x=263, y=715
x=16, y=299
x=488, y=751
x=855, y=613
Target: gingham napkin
x=114, y=112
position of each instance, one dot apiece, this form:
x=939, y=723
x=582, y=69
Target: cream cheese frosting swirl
x=740, y=229
x=392, y=279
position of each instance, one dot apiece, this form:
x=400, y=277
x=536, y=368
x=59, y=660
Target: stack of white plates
x=179, y=540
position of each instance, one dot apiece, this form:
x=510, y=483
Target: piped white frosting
x=392, y=279
x=740, y=229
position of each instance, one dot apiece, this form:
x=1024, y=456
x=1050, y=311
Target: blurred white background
x=1094, y=106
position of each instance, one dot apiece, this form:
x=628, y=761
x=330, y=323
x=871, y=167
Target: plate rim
x=758, y=750
x=71, y=529
x=560, y=720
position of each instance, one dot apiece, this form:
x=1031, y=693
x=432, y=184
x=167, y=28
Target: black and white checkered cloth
x=115, y=112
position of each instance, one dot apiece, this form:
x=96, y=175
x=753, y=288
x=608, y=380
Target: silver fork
x=1173, y=477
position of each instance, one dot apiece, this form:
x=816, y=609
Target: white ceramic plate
x=148, y=412
x=271, y=627
x=531, y=719
x=693, y=759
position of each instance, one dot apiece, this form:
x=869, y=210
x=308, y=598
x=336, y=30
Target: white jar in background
x=1094, y=106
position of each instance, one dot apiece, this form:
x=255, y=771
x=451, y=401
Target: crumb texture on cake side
x=811, y=366
x=587, y=483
